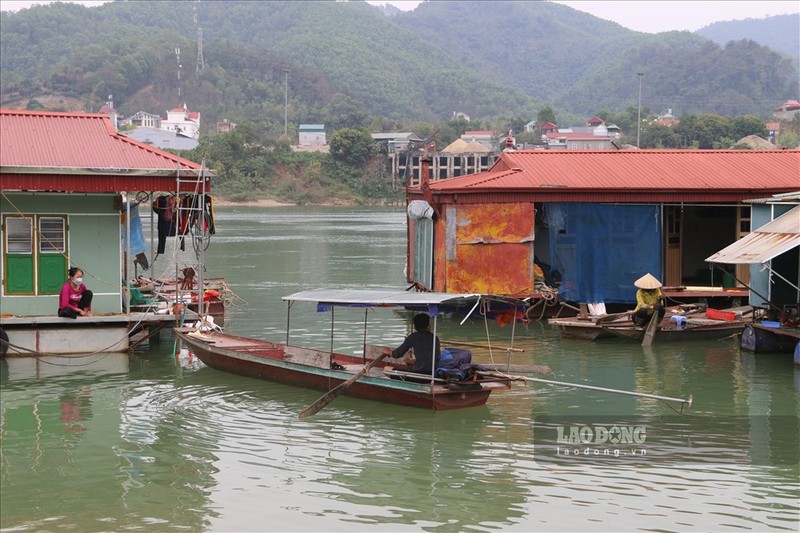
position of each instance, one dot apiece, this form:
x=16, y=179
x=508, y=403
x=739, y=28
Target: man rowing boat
x=421, y=343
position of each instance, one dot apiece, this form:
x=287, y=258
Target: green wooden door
x=52, y=263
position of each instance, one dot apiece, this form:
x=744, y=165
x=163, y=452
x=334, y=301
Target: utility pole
x=178, y=57
x=285, y=101
x=201, y=64
x=639, y=113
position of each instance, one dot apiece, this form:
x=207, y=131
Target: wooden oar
x=687, y=401
x=650, y=334
x=331, y=395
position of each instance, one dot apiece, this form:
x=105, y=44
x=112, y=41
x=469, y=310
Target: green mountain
x=348, y=61
x=781, y=33
x=581, y=63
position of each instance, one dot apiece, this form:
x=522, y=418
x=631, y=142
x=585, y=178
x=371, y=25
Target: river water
x=153, y=442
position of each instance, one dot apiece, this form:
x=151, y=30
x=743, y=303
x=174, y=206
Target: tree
x=747, y=125
x=344, y=112
x=545, y=114
x=659, y=136
x=352, y=146
x=709, y=130
x=34, y=105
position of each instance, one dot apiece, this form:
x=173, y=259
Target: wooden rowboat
x=324, y=370
x=695, y=328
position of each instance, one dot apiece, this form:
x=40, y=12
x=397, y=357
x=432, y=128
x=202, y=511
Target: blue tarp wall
x=601, y=249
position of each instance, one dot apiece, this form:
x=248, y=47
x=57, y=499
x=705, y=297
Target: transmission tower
x=200, y=62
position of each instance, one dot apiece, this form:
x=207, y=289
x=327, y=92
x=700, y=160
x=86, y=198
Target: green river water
x=152, y=442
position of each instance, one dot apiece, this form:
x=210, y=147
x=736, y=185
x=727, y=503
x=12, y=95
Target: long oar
x=331, y=395
x=687, y=401
x=652, y=327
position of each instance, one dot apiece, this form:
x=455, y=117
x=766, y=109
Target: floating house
x=772, y=254
x=62, y=181
x=600, y=219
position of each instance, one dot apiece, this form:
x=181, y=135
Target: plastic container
x=680, y=322
x=770, y=324
x=716, y=314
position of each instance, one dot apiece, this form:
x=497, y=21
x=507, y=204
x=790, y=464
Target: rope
x=549, y=298
x=38, y=354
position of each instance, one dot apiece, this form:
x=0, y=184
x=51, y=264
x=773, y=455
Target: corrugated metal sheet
x=644, y=171
x=765, y=243
x=76, y=140
x=84, y=183
x=567, y=195
x=490, y=248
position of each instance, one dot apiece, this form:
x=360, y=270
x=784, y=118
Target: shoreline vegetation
x=269, y=202
x=264, y=202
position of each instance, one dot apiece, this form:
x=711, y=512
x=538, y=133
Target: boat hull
x=572, y=328
x=760, y=339
x=267, y=364
x=679, y=335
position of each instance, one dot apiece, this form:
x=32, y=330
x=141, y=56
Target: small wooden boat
x=581, y=329
x=324, y=370
x=689, y=329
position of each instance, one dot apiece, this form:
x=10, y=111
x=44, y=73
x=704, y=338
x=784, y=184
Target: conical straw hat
x=647, y=282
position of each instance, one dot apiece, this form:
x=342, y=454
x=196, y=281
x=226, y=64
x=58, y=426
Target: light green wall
x=93, y=237
x=759, y=277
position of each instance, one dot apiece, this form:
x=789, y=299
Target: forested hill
x=581, y=63
x=486, y=59
x=781, y=32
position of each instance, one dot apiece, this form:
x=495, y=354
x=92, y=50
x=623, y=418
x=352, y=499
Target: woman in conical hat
x=649, y=300
x=648, y=281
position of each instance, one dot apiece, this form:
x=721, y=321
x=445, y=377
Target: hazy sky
x=650, y=16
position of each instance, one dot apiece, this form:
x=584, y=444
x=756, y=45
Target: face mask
x=78, y=281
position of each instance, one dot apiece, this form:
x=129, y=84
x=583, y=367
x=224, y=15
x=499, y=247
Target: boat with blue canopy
x=364, y=375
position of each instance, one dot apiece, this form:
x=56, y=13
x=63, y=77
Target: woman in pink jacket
x=75, y=298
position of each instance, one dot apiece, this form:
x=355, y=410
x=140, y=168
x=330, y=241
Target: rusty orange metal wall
x=486, y=248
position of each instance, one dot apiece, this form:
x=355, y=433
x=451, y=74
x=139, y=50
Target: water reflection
x=154, y=442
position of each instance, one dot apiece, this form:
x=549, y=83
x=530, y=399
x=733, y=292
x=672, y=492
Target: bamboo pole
x=687, y=401
x=475, y=345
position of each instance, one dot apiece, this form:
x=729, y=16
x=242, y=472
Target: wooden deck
x=53, y=335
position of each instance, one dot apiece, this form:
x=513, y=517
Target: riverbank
x=337, y=202
x=221, y=202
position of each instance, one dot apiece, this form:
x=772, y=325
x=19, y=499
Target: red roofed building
x=61, y=179
x=600, y=218
x=596, y=121
x=183, y=122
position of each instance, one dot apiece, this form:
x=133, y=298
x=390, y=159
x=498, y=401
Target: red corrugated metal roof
x=634, y=170
x=42, y=150
x=76, y=140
